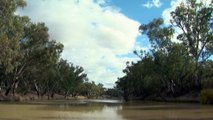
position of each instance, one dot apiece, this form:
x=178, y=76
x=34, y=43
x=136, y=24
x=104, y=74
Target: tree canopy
x=30, y=61
x=173, y=68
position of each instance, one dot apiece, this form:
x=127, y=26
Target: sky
x=99, y=35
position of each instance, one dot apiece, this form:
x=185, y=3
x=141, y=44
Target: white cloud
x=167, y=12
x=93, y=34
x=153, y=3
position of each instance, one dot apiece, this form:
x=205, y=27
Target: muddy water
x=103, y=110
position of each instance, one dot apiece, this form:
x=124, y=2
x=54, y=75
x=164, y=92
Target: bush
x=206, y=96
x=207, y=83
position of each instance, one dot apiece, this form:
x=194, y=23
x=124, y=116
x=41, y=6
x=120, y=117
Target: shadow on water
x=166, y=111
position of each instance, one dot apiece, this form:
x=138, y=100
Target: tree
x=113, y=92
x=45, y=73
x=171, y=61
x=90, y=89
x=70, y=77
x=37, y=54
x=29, y=60
x=166, y=69
x=11, y=31
x=194, y=19
x=207, y=74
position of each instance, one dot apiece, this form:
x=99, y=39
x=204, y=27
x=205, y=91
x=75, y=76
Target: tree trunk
x=15, y=85
x=197, y=81
x=196, y=77
x=48, y=96
x=36, y=88
x=8, y=90
x=126, y=96
x=52, y=95
x=66, y=94
x=12, y=86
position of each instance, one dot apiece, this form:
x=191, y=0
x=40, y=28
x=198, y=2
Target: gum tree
x=194, y=19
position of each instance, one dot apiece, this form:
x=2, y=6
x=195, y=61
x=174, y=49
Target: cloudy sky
x=99, y=35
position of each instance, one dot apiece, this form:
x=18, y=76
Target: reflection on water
x=103, y=110
x=166, y=111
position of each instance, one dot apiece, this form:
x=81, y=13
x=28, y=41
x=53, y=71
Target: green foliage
x=11, y=31
x=159, y=36
x=195, y=22
x=29, y=60
x=90, y=89
x=207, y=74
x=206, y=96
x=113, y=92
x=70, y=77
x=169, y=68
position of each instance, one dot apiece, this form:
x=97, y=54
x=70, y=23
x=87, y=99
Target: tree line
x=30, y=61
x=168, y=68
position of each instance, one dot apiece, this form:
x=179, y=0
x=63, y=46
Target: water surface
x=103, y=110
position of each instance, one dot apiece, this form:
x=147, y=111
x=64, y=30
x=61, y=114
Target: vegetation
x=172, y=69
x=206, y=96
x=30, y=61
x=91, y=90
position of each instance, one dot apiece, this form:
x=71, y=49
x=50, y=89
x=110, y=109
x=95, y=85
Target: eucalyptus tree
x=170, y=66
x=135, y=82
x=70, y=77
x=11, y=32
x=46, y=76
x=29, y=57
x=172, y=63
x=194, y=19
x=90, y=89
x=39, y=57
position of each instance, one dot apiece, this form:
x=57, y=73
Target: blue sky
x=136, y=10
x=99, y=35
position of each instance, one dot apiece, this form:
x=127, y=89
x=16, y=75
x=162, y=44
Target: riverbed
x=103, y=110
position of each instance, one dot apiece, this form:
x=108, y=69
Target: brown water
x=103, y=110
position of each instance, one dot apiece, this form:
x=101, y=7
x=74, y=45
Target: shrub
x=206, y=96
x=207, y=83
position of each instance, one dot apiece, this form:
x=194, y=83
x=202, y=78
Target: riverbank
x=188, y=98
x=34, y=97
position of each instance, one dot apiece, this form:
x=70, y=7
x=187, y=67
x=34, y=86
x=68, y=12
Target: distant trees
x=91, y=90
x=168, y=68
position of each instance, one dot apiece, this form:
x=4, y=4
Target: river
x=103, y=110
